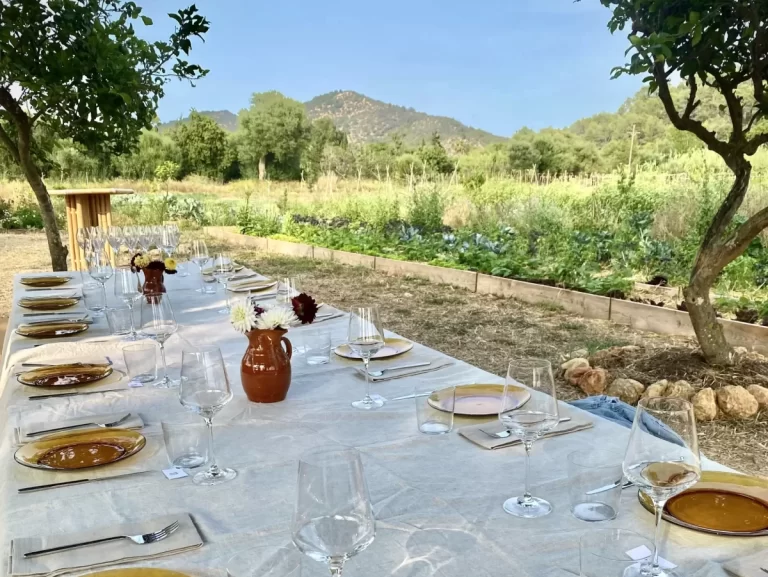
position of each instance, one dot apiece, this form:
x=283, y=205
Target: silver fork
x=111, y=425
x=138, y=539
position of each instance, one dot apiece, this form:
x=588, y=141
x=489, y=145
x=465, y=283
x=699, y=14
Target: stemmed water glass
x=127, y=290
x=158, y=323
x=98, y=239
x=115, y=238
x=529, y=420
x=169, y=238
x=662, y=456
x=365, y=337
x=199, y=256
x=145, y=237
x=205, y=390
x=333, y=519
x=131, y=235
x=100, y=272
x=223, y=269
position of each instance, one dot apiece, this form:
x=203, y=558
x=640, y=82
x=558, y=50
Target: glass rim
x=666, y=405
x=330, y=455
x=534, y=362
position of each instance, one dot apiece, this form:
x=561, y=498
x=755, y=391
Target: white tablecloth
x=437, y=500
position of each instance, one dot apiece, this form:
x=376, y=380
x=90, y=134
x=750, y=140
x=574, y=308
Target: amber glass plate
x=51, y=331
x=477, y=400
x=44, y=281
x=391, y=348
x=47, y=304
x=65, y=375
x=720, y=503
x=73, y=451
x=137, y=572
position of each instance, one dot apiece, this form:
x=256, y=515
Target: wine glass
x=365, y=337
x=131, y=235
x=100, y=272
x=662, y=457
x=199, y=256
x=127, y=290
x=223, y=269
x=98, y=238
x=529, y=420
x=288, y=288
x=169, y=238
x=205, y=390
x=333, y=519
x=145, y=237
x=159, y=323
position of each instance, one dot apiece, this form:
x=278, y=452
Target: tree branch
x=755, y=117
x=755, y=143
x=735, y=107
x=758, y=49
x=692, y=102
x=744, y=235
x=10, y=145
x=689, y=124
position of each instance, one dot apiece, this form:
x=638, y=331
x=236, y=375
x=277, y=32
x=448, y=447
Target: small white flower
x=243, y=317
x=276, y=317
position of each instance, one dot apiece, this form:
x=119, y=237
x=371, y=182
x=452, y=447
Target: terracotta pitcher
x=153, y=281
x=266, y=368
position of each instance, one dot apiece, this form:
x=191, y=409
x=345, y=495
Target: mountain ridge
x=367, y=120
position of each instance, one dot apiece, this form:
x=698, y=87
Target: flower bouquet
x=153, y=271
x=265, y=370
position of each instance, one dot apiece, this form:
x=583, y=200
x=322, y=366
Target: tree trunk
x=263, y=167
x=712, y=259
x=55, y=247
x=709, y=332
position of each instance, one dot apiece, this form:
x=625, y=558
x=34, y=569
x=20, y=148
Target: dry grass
x=486, y=331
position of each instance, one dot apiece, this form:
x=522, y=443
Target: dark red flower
x=258, y=310
x=305, y=308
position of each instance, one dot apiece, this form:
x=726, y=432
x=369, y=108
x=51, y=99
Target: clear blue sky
x=493, y=64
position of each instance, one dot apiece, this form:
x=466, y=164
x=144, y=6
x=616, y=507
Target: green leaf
x=147, y=20
x=696, y=36
x=635, y=40
x=694, y=17
x=126, y=97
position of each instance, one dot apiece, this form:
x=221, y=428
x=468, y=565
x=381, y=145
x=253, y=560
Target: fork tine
x=163, y=533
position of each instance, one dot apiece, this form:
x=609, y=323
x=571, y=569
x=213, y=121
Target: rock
x=761, y=395
x=680, y=389
x=575, y=374
x=704, y=405
x=579, y=353
x=593, y=381
x=628, y=390
x=655, y=390
x=736, y=402
x=568, y=366
x=740, y=350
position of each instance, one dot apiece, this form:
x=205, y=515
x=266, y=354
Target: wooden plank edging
x=636, y=315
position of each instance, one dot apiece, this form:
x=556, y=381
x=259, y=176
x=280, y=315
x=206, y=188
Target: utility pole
x=632, y=145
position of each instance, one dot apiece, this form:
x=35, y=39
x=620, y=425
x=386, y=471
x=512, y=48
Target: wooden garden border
x=636, y=315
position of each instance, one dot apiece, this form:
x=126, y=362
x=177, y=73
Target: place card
x=174, y=473
x=644, y=552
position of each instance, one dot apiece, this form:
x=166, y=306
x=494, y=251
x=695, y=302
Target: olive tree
x=722, y=44
x=78, y=68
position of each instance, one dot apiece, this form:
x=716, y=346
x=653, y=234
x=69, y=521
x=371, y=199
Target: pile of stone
x=727, y=402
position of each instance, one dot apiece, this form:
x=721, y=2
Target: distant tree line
x=276, y=140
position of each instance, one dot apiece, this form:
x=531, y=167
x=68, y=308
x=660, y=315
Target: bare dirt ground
x=485, y=331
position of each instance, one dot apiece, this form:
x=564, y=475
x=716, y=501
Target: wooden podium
x=85, y=208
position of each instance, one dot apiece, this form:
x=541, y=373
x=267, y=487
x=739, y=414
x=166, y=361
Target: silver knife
x=59, y=321
x=63, y=288
x=411, y=396
x=604, y=488
x=78, y=482
x=57, y=395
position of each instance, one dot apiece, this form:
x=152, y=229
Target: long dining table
x=437, y=499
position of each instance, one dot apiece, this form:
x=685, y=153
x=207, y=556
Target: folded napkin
x=185, y=538
x=20, y=432
x=40, y=295
x=750, y=566
x=392, y=375
x=251, y=285
x=476, y=434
